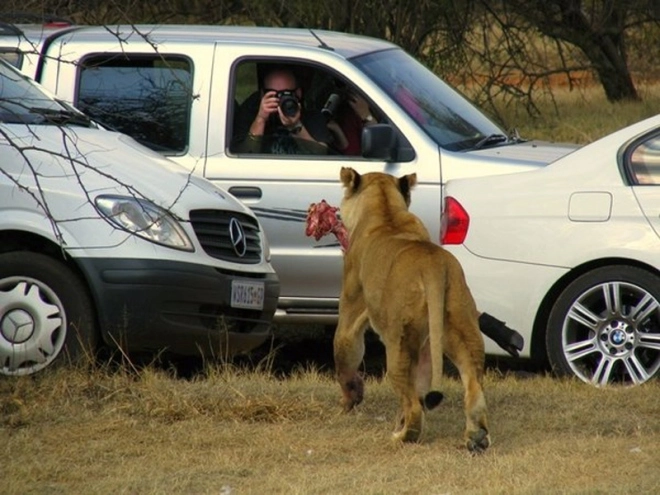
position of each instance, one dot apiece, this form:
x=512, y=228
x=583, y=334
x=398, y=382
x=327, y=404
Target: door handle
x=245, y=192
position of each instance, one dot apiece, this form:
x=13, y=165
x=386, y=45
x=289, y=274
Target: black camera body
x=289, y=103
x=331, y=105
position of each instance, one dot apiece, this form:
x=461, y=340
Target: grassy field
x=233, y=431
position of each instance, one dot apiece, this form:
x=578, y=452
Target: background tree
x=490, y=48
x=600, y=29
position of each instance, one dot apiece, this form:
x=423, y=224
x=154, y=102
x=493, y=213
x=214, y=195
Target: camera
x=289, y=103
x=331, y=105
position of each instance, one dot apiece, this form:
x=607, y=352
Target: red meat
x=322, y=220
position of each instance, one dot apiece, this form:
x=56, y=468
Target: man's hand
x=291, y=121
x=359, y=106
x=269, y=104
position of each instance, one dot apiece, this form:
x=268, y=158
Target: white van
x=103, y=241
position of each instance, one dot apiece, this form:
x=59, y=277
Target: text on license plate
x=247, y=294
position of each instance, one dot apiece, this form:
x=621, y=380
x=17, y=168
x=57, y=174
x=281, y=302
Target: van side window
x=148, y=97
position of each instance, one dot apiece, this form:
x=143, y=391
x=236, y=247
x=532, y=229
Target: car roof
x=345, y=44
x=33, y=32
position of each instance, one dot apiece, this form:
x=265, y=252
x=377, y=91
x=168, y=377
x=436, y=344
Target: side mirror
x=378, y=141
x=384, y=142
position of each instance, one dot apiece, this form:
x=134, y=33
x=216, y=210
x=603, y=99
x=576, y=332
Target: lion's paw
x=408, y=432
x=353, y=390
x=407, y=435
x=478, y=441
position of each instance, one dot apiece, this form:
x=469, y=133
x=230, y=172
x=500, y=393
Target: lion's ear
x=350, y=178
x=406, y=183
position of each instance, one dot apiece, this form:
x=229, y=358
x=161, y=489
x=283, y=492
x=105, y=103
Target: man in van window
x=281, y=125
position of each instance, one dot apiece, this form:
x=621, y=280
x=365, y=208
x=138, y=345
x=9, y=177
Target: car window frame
x=631, y=169
x=311, y=65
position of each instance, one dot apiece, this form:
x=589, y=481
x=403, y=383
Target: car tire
x=604, y=327
x=46, y=316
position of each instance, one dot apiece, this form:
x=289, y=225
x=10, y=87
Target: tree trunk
x=598, y=31
x=612, y=71
x=606, y=51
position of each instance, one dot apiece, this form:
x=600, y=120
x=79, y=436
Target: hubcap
x=611, y=334
x=32, y=326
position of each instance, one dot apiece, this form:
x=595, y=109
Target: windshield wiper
x=490, y=140
x=62, y=117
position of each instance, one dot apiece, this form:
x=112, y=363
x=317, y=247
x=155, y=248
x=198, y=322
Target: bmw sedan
x=569, y=255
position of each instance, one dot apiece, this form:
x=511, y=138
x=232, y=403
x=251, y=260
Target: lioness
x=413, y=293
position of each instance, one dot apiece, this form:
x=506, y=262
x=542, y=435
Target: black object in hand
x=289, y=103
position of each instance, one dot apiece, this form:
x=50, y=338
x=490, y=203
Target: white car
x=569, y=255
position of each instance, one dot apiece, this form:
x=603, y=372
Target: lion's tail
x=435, y=301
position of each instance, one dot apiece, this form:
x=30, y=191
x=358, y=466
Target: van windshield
x=445, y=115
x=23, y=102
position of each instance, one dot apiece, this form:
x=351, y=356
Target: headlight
x=145, y=219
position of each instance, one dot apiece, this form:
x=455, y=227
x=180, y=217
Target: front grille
x=212, y=228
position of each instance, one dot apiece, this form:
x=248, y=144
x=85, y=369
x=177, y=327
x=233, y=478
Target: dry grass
x=578, y=116
x=243, y=431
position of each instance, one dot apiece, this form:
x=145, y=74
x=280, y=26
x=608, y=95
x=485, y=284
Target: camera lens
x=288, y=103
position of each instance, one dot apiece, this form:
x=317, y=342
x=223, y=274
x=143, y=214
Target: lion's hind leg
x=402, y=373
x=477, y=437
x=468, y=356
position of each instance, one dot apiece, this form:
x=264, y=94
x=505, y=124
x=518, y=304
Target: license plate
x=247, y=294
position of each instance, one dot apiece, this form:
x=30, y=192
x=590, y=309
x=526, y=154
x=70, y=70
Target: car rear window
x=148, y=97
x=644, y=161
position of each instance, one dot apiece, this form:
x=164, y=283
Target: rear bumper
x=184, y=308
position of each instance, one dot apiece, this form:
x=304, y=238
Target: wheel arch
x=537, y=349
x=18, y=240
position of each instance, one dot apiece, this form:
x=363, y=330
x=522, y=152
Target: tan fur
x=413, y=293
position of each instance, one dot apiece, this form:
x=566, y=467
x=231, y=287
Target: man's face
x=281, y=81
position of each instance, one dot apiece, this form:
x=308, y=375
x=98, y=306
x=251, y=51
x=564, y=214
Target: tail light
x=455, y=222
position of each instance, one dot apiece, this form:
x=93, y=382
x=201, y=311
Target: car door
x=280, y=189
